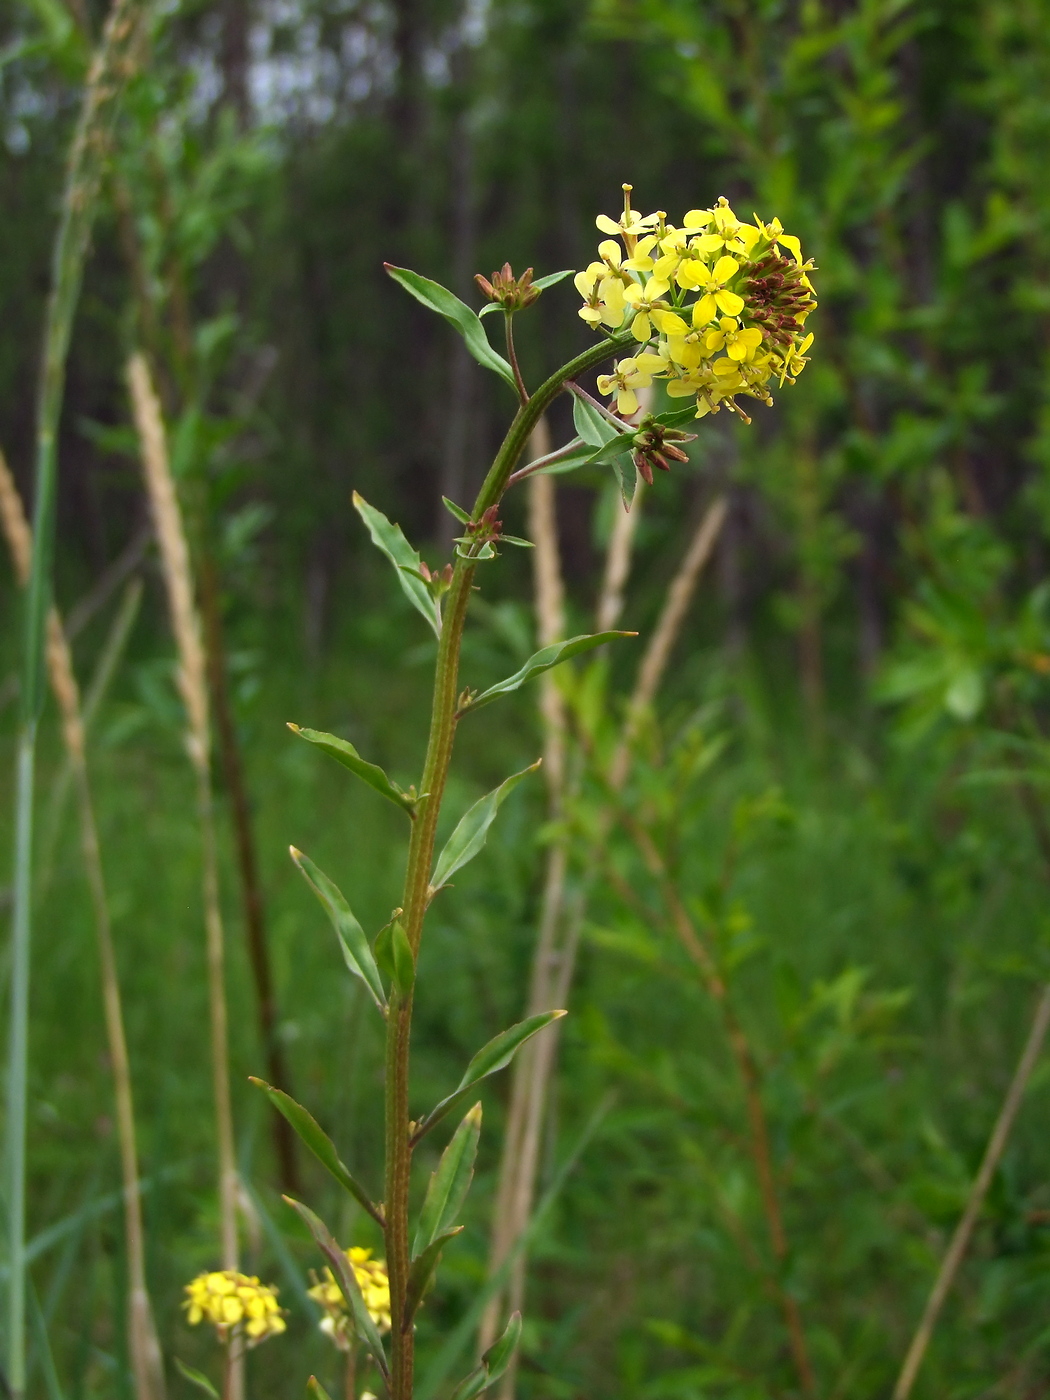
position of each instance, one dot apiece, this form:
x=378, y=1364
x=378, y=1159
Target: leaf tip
x=259, y=1083
x=557, y=1015
x=293, y=727
x=295, y=853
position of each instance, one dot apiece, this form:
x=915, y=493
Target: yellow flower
x=722, y=303
x=603, y=296
x=646, y=303
x=631, y=224
x=627, y=376
x=738, y=344
x=234, y=1303
x=374, y=1283
x=712, y=282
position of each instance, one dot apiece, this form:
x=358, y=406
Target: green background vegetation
x=857, y=704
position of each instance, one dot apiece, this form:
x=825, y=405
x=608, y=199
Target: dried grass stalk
x=146, y=1362
x=560, y=926
x=193, y=687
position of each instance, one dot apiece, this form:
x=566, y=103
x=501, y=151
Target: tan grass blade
x=193, y=687
x=960, y=1241
x=555, y=954
x=146, y=1362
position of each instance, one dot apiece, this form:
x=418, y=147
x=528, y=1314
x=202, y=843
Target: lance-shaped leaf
x=493, y=1364
x=356, y=953
x=450, y=1183
x=344, y=752
x=315, y=1387
x=472, y=830
x=388, y=538
x=319, y=1143
x=347, y=1281
x=543, y=660
x=592, y=425
x=458, y=314
x=196, y=1378
x=496, y=1055
x=421, y=1272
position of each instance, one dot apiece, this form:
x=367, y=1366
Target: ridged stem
x=421, y=856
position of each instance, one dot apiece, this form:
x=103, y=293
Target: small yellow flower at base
x=235, y=1304
x=738, y=344
x=374, y=1283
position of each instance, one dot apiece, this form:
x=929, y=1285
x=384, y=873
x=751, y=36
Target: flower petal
x=729, y=302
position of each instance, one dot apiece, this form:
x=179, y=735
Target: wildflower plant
x=714, y=309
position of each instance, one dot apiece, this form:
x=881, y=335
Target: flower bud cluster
x=235, y=1304
x=512, y=293
x=718, y=306
x=374, y=1283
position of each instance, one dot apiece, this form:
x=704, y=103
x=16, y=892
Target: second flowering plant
x=715, y=309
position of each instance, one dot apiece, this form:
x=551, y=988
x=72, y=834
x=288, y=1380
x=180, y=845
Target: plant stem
x=420, y=862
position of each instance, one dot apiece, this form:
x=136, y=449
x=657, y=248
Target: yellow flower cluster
x=718, y=306
x=233, y=1303
x=374, y=1284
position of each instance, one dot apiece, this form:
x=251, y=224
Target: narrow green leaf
x=403, y=960
x=473, y=828
x=582, y=454
x=389, y=539
x=500, y=1353
x=421, y=1272
x=450, y=1183
x=316, y=1388
x=496, y=1055
x=384, y=950
x=457, y=511
x=344, y=752
x=614, y=450
x=458, y=314
x=344, y=1276
x=542, y=661
x=493, y=1364
x=319, y=1143
x=516, y=539
x=356, y=953
x=591, y=425
x=676, y=417
x=552, y=278
x=195, y=1377
x=626, y=478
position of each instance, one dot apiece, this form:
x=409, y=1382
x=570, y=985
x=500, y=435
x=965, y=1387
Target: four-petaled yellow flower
x=718, y=306
x=603, y=296
x=627, y=376
x=374, y=1283
x=236, y=1305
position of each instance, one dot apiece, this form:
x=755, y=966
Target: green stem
x=421, y=857
x=18, y=1063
